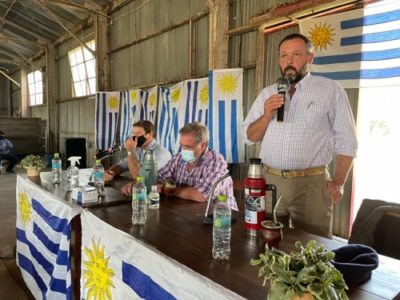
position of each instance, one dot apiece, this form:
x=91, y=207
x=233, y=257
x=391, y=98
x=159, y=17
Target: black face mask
x=140, y=141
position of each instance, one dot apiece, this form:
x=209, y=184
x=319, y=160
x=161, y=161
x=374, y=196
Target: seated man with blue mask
x=142, y=139
x=197, y=167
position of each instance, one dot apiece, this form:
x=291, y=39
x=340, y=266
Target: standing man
x=196, y=168
x=318, y=126
x=142, y=139
x=5, y=152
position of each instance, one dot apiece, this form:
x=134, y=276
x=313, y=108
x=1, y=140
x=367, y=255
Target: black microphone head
x=283, y=85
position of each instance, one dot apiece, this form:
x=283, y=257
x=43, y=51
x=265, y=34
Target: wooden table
x=176, y=229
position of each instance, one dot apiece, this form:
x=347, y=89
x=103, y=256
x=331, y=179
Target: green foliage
x=33, y=161
x=308, y=269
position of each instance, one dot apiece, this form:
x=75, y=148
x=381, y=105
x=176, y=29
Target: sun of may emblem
x=204, y=95
x=227, y=84
x=133, y=97
x=152, y=99
x=321, y=35
x=98, y=275
x=113, y=102
x=25, y=207
x=175, y=95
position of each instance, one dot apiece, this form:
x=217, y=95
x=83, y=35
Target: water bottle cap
x=98, y=161
x=56, y=155
x=222, y=198
x=154, y=188
x=140, y=179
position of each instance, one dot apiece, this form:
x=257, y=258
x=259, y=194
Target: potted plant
x=306, y=272
x=33, y=164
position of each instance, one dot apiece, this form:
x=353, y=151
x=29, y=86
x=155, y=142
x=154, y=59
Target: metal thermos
x=148, y=169
x=254, y=192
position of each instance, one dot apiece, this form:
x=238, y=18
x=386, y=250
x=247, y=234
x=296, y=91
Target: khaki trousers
x=305, y=203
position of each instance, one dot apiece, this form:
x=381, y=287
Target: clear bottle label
x=55, y=165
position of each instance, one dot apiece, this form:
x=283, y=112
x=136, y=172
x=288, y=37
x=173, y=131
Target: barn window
x=35, y=87
x=83, y=68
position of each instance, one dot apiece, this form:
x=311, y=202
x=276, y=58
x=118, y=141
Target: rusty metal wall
x=140, y=59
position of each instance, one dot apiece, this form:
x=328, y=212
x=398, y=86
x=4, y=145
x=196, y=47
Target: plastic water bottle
x=98, y=177
x=154, y=198
x=56, y=167
x=73, y=172
x=139, y=202
x=221, y=229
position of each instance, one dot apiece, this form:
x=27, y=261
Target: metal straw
x=274, y=211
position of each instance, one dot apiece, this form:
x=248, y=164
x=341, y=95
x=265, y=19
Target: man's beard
x=291, y=74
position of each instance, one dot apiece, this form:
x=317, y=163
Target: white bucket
x=3, y=170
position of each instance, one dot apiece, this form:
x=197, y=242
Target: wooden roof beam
x=78, y=6
x=43, y=5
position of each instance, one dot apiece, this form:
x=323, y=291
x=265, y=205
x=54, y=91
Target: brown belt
x=296, y=173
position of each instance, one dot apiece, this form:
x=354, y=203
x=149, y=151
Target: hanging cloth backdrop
x=149, y=100
x=171, y=103
x=106, y=119
x=43, y=241
x=226, y=114
x=129, y=269
x=131, y=105
x=359, y=48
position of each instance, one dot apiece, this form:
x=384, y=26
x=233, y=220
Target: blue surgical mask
x=188, y=155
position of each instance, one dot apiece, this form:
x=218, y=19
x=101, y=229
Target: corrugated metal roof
x=27, y=26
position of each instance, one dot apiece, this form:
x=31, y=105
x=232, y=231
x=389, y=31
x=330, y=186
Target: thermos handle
x=272, y=187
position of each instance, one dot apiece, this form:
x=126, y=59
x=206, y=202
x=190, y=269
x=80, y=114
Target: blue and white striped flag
x=115, y=265
x=195, y=99
x=359, y=48
x=149, y=104
x=106, y=119
x=170, y=105
x=225, y=113
x=131, y=105
x=43, y=241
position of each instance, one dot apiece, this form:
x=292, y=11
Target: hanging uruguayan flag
x=195, y=97
x=168, y=117
x=225, y=113
x=149, y=104
x=359, y=48
x=131, y=105
x=106, y=119
x=117, y=266
x=43, y=241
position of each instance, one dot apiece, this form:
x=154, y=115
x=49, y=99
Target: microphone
x=108, y=152
x=283, y=87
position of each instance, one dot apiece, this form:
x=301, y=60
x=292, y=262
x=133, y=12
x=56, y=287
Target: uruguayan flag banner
x=43, y=241
x=171, y=103
x=225, y=113
x=106, y=119
x=195, y=100
x=149, y=104
x=117, y=266
x=359, y=48
x=131, y=105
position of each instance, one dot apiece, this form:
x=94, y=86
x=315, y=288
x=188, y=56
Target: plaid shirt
x=207, y=170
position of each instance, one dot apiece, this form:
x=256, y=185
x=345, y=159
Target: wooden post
x=52, y=107
x=103, y=67
x=24, y=93
x=260, y=60
x=218, y=38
